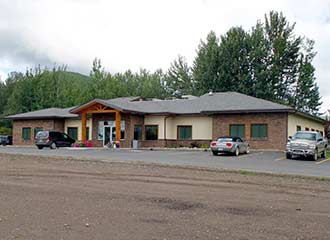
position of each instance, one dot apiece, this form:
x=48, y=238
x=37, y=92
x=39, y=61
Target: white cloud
x=141, y=34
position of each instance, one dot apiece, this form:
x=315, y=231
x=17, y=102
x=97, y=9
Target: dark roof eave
x=250, y=111
x=38, y=117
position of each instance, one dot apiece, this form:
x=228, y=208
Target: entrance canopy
x=94, y=107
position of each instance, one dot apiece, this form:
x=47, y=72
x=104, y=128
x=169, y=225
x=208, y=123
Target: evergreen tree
x=206, y=65
x=233, y=62
x=307, y=97
x=178, y=80
x=283, y=55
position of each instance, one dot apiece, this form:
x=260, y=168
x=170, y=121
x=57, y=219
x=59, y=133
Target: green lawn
x=328, y=154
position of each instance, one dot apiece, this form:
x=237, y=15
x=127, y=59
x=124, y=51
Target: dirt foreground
x=43, y=198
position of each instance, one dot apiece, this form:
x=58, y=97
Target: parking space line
x=280, y=159
x=323, y=161
x=248, y=155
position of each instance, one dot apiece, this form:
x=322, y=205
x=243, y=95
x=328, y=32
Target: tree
x=283, y=55
x=178, y=79
x=306, y=97
x=206, y=65
x=233, y=60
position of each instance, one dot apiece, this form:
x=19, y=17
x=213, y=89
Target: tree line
x=269, y=61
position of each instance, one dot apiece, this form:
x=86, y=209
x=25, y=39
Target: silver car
x=232, y=145
x=306, y=144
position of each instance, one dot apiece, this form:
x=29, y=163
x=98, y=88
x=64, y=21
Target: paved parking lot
x=263, y=161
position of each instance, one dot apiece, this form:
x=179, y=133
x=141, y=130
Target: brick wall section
x=46, y=124
x=276, y=122
x=187, y=143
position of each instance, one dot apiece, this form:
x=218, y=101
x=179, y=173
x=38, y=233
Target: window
x=137, y=132
x=306, y=129
x=298, y=128
x=313, y=130
x=36, y=130
x=26, y=133
x=151, y=132
x=237, y=130
x=184, y=132
x=259, y=131
x=87, y=133
x=73, y=132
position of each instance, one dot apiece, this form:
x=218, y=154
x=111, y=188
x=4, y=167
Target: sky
x=150, y=34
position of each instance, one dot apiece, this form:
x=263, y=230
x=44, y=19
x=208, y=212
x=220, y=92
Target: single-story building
x=170, y=123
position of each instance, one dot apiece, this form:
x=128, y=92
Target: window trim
x=236, y=124
x=259, y=138
x=184, y=139
x=145, y=130
x=29, y=138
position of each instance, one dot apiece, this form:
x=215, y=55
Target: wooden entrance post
x=83, y=126
x=118, y=130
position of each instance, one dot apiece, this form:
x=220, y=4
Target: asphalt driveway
x=262, y=161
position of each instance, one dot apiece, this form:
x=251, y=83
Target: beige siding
x=201, y=126
x=77, y=123
x=295, y=120
x=156, y=120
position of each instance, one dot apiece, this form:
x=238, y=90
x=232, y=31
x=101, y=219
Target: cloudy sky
x=128, y=34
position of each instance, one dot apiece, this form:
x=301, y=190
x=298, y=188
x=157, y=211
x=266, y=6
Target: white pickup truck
x=307, y=144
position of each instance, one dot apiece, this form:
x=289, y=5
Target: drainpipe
x=165, y=128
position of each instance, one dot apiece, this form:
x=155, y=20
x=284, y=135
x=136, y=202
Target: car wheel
x=215, y=153
x=236, y=151
x=288, y=156
x=247, y=150
x=315, y=156
x=40, y=147
x=323, y=155
x=53, y=145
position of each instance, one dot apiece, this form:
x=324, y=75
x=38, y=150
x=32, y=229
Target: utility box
x=135, y=144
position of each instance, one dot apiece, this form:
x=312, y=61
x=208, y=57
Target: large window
x=184, y=132
x=298, y=128
x=36, y=130
x=259, y=131
x=237, y=130
x=26, y=133
x=73, y=132
x=137, y=132
x=151, y=132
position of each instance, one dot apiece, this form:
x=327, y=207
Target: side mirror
x=320, y=140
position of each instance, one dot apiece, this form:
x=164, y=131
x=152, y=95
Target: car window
x=225, y=139
x=65, y=136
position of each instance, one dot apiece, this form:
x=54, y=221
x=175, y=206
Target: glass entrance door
x=106, y=135
x=109, y=133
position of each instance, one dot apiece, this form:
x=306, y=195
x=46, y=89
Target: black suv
x=53, y=139
x=6, y=140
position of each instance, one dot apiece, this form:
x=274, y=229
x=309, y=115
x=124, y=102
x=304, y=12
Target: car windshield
x=225, y=139
x=305, y=136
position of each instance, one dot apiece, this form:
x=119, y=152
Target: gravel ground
x=61, y=198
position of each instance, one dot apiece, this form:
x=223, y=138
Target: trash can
x=135, y=144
